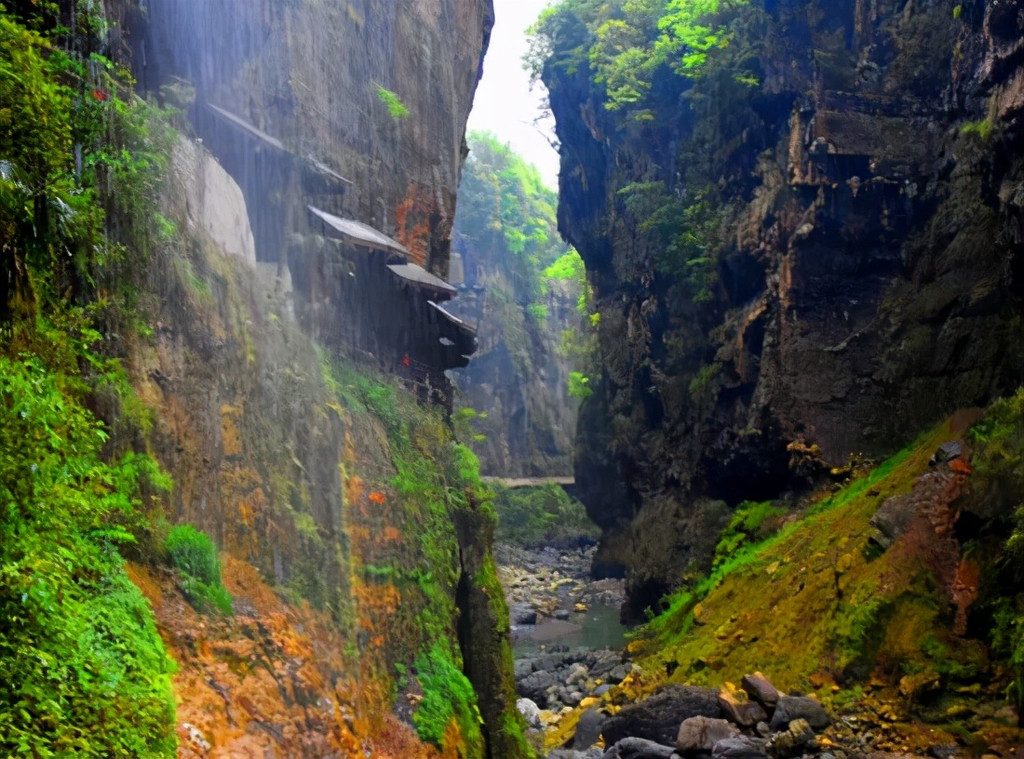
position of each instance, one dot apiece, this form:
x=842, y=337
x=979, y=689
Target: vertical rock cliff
x=333, y=485
x=518, y=381
x=805, y=246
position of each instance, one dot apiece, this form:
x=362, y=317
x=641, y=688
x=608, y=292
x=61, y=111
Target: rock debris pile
x=753, y=722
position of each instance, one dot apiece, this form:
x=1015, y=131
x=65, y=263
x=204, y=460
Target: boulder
x=638, y=748
x=740, y=747
x=791, y=708
x=738, y=709
x=535, y=685
x=700, y=734
x=566, y=753
x=657, y=718
x=952, y=449
x=577, y=674
x=523, y=615
x=618, y=673
x=523, y=667
x=760, y=689
x=530, y=712
x=588, y=729
x=792, y=741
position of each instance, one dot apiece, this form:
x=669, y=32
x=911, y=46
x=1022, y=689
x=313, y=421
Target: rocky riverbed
x=581, y=700
x=567, y=637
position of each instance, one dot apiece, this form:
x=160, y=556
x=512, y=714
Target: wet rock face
x=307, y=76
x=868, y=268
x=376, y=92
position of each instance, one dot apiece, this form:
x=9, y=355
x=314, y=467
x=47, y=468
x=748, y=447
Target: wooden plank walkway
x=529, y=482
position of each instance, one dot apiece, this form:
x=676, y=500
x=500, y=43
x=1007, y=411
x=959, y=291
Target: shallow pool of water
x=598, y=627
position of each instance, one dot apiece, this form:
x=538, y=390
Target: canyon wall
x=318, y=475
x=850, y=179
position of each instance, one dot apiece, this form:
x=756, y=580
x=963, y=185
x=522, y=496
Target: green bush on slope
x=195, y=556
x=999, y=459
x=530, y=516
x=85, y=673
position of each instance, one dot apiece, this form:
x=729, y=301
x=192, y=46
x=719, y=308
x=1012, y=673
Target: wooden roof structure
x=248, y=128
x=456, y=321
x=417, y=276
x=354, y=232
x=309, y=165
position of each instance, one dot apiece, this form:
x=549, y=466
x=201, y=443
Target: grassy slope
x=777, y=606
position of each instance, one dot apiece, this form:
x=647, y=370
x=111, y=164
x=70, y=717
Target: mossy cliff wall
x=852, y=178
x=335, y=486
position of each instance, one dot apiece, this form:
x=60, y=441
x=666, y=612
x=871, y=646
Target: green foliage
x=579, y=385
x=194, y=554
x=538, y=312
x=689, y=32
x=856, y=628
x=541, y=515
x=395, y=106
x=1008, y=642
x=998, y=460
x=502, y=197
x=980, y=129
x=568, y=266
x=679, y=228
x=751, y=522
x=85, y=672
x=79, y=176
x=447, y=695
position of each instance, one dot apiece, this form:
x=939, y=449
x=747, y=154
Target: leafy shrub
x=530, y=516
x=579, y=385
x=447, y=695
x=751, y=523
x=999, y=463
x=194, y=554
x=394, y=105
x=84, y=671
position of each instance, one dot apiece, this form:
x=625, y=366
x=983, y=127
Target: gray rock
x=577, y=674
x=760, y=690
x=523, y=615
x=600, y=690
x=588, y=729
x=657, y=718
x=743, y=713
x=948, y=451
x=530, y=712
x=763, y=729
x=523, y=667
x=535, y=686
x=562, y=614
x=618, y=674
x=792, y=741
x=700, y=734
x=638, y=748
x=740, y=747
x=790, y=708
x=566, y=753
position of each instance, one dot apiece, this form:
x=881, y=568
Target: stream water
x=598, y=627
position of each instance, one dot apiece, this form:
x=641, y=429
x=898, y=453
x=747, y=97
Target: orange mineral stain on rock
x=274, y=679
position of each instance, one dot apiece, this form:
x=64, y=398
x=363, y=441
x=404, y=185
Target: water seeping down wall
x=356, y=109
